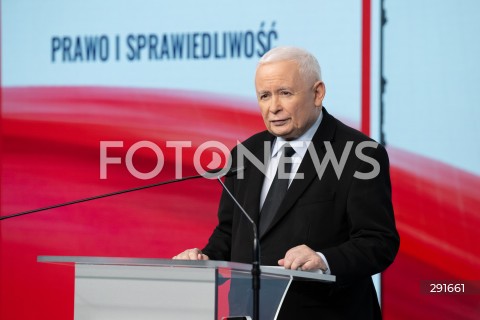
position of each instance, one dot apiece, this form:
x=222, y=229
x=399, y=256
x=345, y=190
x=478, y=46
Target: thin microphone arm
x=239, y=206
x=216, y=172
x=256, y=256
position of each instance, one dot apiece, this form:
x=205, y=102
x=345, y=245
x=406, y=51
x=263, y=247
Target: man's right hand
x=191, y=254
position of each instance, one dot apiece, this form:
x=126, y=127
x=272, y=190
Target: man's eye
x=263, y=96
x=286, y=93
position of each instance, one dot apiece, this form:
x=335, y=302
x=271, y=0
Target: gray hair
x=308, y=66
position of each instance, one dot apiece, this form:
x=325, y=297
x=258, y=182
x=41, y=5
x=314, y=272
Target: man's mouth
x=279, y=122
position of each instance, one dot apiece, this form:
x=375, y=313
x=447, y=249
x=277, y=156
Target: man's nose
x=275, y=104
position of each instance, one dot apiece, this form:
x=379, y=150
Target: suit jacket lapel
x=325, y=132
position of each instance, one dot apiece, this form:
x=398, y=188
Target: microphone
x=256, y=253
x=210, y=174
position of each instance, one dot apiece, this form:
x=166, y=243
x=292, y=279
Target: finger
x=308, y=265
x=297, y=263
x=193, y=254
x=287, y=263
x=189, y=254
x=179, y=256
x=281, y=262
x=311, y=262
x=289, y=259
x=202, y=256
x=318, y=263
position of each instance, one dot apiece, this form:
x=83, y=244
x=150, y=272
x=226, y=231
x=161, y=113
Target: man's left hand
x=302, y=258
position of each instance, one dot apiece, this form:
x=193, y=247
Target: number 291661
x=447, y=287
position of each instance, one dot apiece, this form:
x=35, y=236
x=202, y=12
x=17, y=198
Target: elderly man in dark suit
x=335, y=213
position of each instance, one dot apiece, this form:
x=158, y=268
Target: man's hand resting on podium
x=302, y=258
x=191, y=254
x=298, y=258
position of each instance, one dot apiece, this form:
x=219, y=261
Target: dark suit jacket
x=349, y=220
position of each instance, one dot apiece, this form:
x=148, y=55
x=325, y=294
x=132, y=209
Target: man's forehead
x=281, y=69
x=278, y=66
x=276, y=76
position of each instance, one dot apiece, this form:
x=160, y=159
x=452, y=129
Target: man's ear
x=319, y=88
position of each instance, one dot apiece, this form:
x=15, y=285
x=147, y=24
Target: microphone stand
x=256, y=247
x=120, y=192
x=256, y=256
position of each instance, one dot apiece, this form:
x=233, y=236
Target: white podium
x=130, y=288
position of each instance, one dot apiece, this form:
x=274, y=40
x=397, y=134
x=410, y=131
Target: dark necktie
x=277, y=190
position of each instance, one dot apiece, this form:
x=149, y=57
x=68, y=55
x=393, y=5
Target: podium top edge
x=152, y=262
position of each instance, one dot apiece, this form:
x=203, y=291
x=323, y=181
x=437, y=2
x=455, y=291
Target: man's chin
x=285, y=134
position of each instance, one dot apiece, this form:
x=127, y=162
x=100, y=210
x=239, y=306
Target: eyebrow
x=285, y=88
x=276, y=90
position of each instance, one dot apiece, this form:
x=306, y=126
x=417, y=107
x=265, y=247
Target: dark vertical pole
x=256, y=276
x=216, y=293
x=383, y=80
